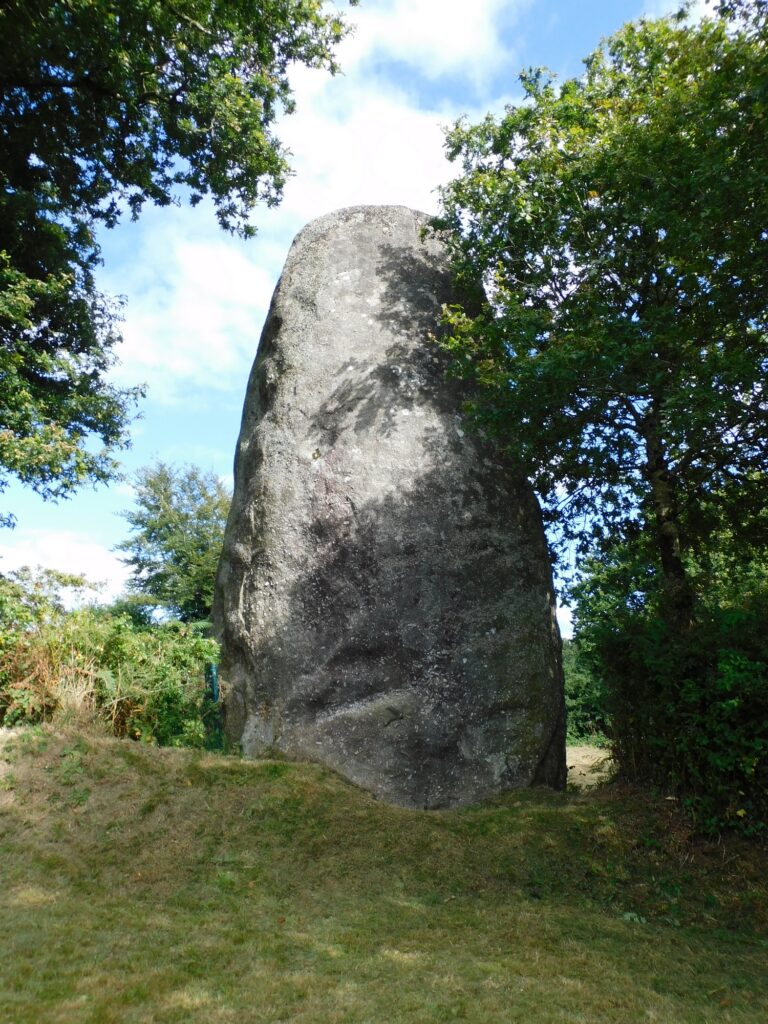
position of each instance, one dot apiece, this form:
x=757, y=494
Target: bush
x=152, y=682
x=690, y=714
x=143, y=681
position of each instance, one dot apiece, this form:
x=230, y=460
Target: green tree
x=752, y=12
x=585, y=703
x=687, y=712
x=57, y=338
x=177, y=534
x=32, y=597
x=105, y=105
x=619, y=223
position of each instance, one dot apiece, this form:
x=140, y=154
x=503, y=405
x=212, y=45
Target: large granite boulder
x=384, y=598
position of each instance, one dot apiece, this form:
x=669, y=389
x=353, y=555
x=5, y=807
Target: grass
x=156, y=885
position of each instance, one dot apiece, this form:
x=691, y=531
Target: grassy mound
x=157, y=885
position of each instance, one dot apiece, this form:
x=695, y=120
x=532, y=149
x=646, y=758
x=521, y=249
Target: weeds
x=146, y=682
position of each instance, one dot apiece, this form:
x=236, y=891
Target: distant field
x=154, y=885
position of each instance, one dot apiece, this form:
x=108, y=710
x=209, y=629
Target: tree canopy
x=177, y=533
x=619, y=222
x=105, y=105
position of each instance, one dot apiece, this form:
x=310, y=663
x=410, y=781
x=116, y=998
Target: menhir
x=384, y=598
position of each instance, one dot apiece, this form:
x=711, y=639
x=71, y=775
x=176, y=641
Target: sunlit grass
x=147, y=885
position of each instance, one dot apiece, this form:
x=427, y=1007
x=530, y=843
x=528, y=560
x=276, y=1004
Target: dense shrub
x=151, y=682
x=686, y=711
x=144, y=681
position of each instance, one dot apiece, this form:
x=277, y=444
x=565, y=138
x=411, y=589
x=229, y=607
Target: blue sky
x=196, y=298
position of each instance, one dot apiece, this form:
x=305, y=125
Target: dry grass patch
x=149, y=885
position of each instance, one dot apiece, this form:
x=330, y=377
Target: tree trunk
x=667, y=521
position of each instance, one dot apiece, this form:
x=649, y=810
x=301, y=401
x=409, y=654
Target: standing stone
x=384, y=598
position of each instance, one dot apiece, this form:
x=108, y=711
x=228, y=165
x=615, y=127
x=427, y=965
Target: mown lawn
x=148, y=885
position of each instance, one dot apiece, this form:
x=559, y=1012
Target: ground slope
x=146, y=885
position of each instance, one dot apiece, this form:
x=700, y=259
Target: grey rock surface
x=384, y=598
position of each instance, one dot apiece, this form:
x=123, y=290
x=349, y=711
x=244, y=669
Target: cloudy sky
x=196, y=298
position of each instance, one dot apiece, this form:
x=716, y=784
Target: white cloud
x=434, y=37
x=194, y=313
x=196, y=298
x=67, y=552
x=359, y=145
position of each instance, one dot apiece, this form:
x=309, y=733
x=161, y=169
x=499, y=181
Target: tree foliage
x=585, y=704
x=619, y=223
x=177, y=535
x=687, y=713
x=751, y=13
x=105, y=105
x=34, y=597
x=61, y=420
x=109, y=102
